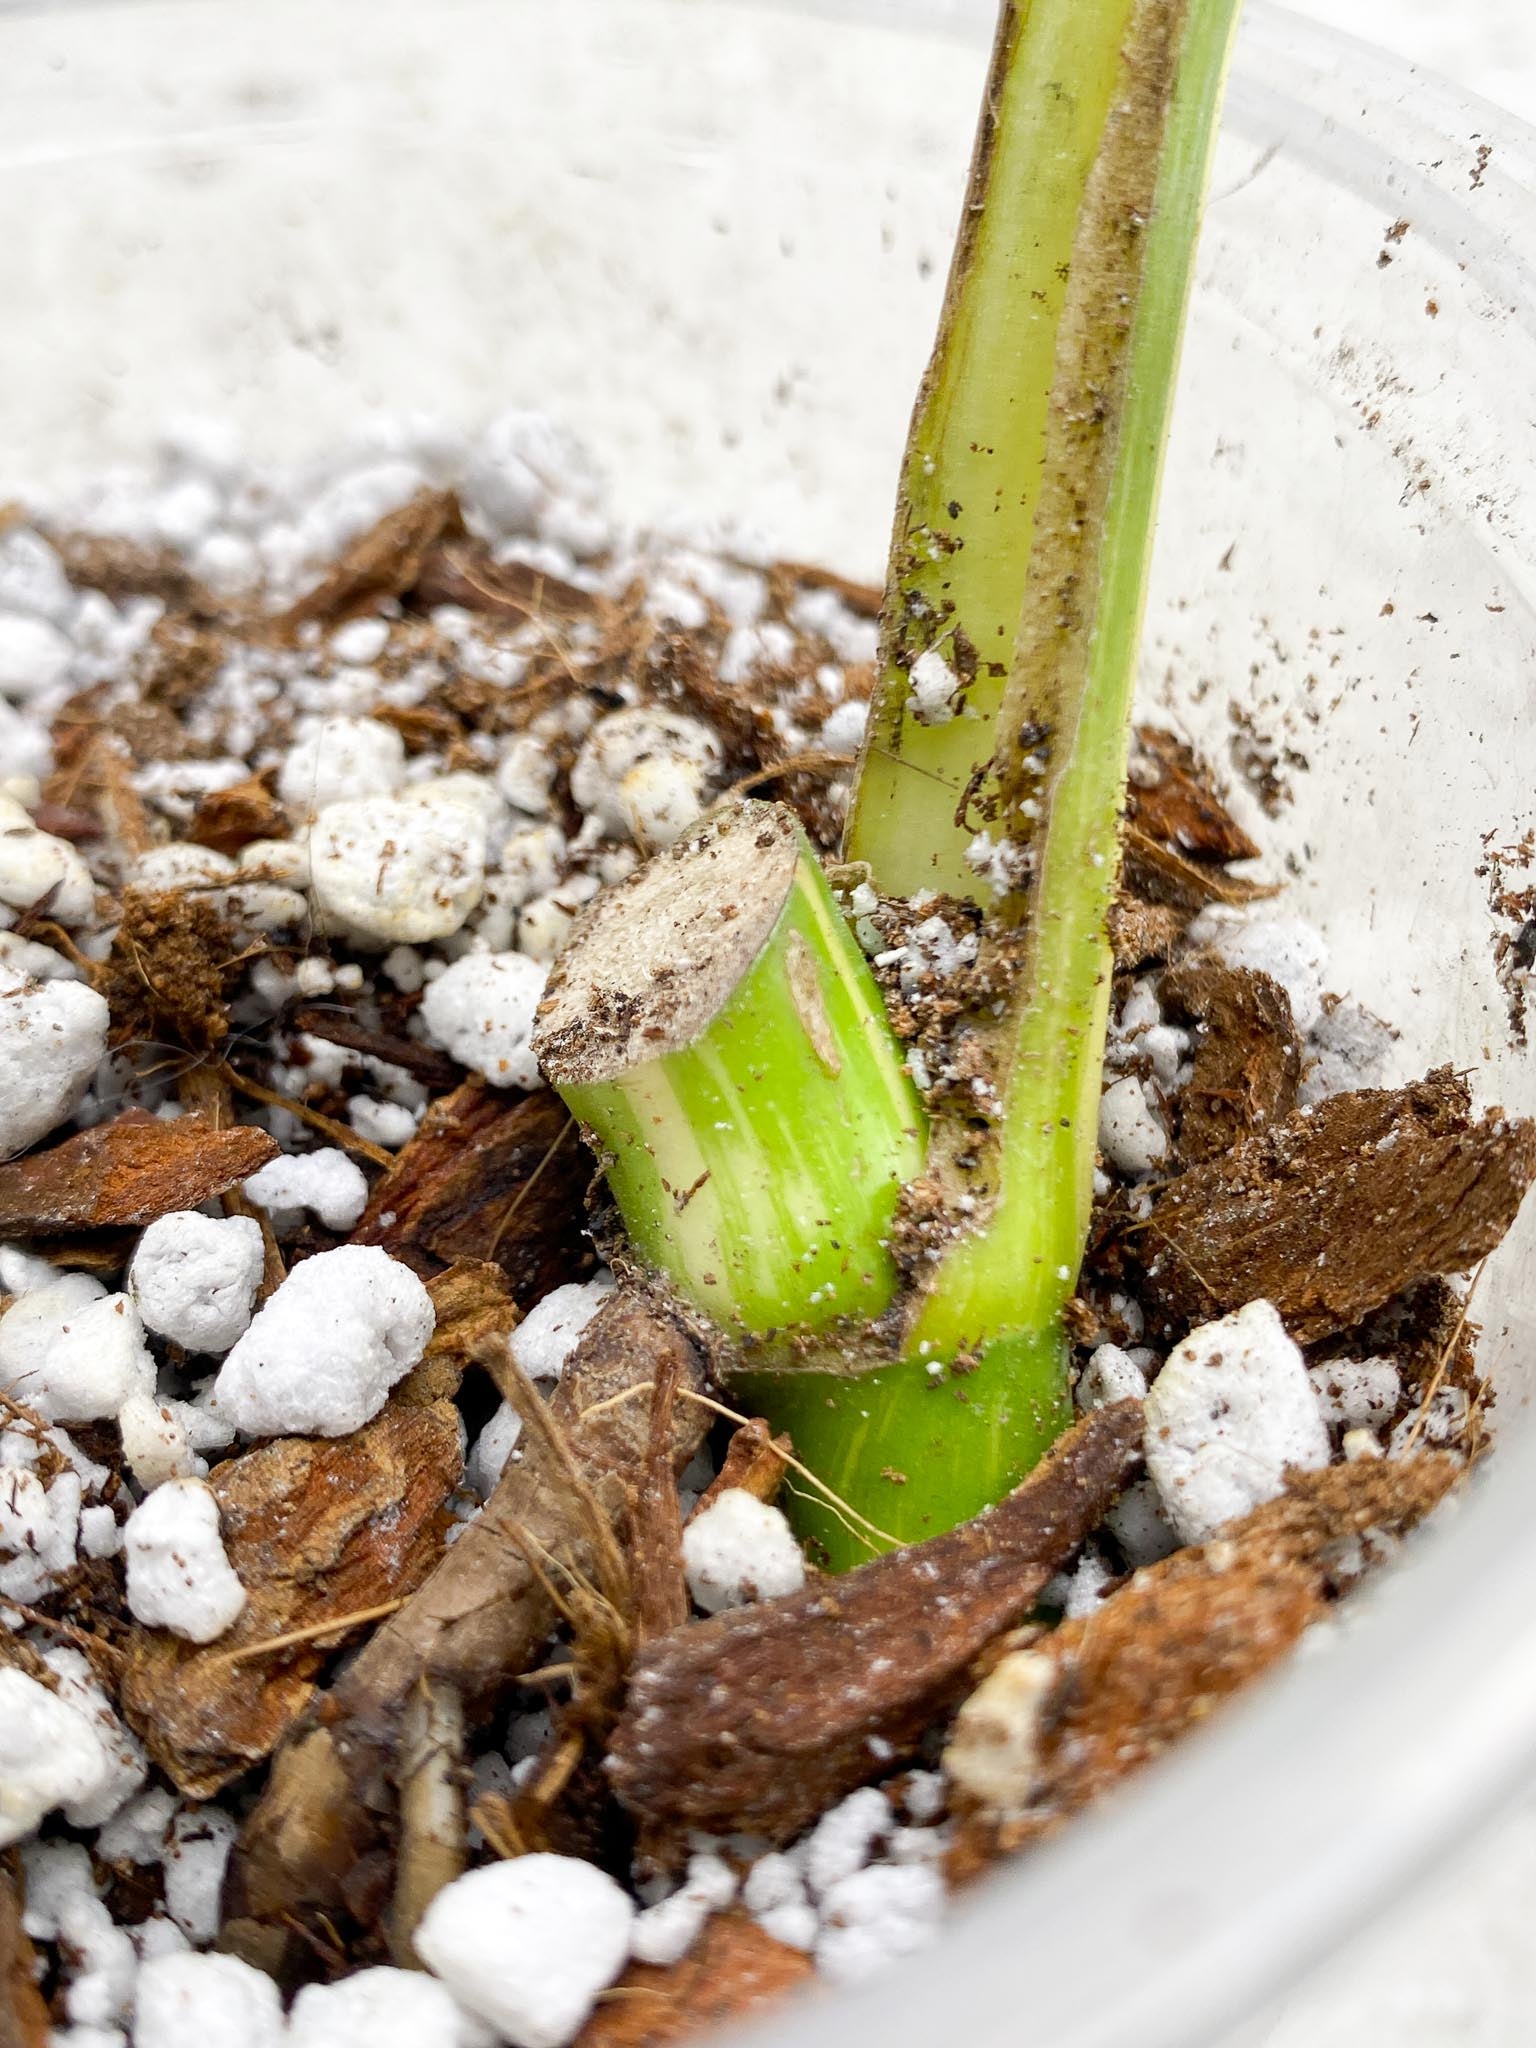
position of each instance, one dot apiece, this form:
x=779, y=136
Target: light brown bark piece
x=731, y=1970
x=128, y=1172
x=315, y=1527
x=1112, y=1690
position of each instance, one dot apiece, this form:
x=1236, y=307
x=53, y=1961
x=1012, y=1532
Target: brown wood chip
x=127, y=1172
x=382, y=563
x=732, y=1969
x=24, y=2017
x=755, y=1462
x=1247, y=1059
x=314, y=1527
x=761, y=1717
x=1161, y=874
x=1114, y=1689
x=1141, y=932
x=1337, y=1209
x=482, y=1616
x=228, y=819
x=461, y=571
x=1181, y=808
x=490, y=1174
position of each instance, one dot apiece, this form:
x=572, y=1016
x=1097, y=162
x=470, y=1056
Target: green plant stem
x=971, y=473
x=758, y=1162
x=995, y=1302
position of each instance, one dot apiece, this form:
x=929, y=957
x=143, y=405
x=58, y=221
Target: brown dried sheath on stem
x=763, y=1716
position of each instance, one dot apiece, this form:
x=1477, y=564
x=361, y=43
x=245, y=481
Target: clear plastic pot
x=712, y=239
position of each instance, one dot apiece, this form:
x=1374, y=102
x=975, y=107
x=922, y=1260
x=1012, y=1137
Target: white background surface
x=1456, y=1963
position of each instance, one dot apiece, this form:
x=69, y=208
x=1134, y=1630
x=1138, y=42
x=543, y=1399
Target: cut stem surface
x=716, y=1027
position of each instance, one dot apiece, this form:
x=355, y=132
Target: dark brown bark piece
x=733, y=1969
x=1334, y=1211
x=460, y=571
x=314, y=1527
x=127, y=1172
x=761, y=1717
x=1158, y=1657
x=1247, y=1061
x=382, y=563
x=1172, y=798
x=489, y=1175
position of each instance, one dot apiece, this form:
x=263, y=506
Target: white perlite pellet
x=492, y=1447
x=61, y=1747
x=388, y=871
x=341, y=758
x=38, y=868
x=193, y=2001
x=1132, y=1136
x=552, y=1328
x=1110, y=1375
x=194, y=1861
x=382, y=2008
x=157, y=1445
x=322, y=1354
x=1231, y=1409
x=645, y=774
x=1357, y=1393
x=39, y=1530
x=178, y=1574
x=740, y=1549
x=934, y=688
x=665, y=1932
x=529, y=1944
x=34, y=656
x=332, y=1186
x=53, y=1036
x=74, y=1352
x=481, y=1011
x=193, y=1278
